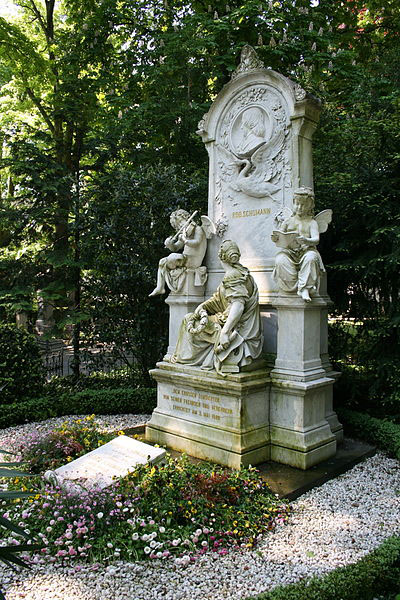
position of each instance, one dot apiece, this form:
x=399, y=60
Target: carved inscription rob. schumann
x=197, y=404
x=251, y=213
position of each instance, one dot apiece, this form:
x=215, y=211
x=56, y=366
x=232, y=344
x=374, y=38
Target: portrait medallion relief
x=251, y=128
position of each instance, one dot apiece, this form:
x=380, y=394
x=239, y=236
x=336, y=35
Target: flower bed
x=177, y=510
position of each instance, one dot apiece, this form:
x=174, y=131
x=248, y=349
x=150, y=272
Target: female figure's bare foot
x=305, y=294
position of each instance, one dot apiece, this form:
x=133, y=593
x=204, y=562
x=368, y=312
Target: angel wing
x=323, y=219
x=270, y=149
x=229, y=162
x=229, y=166
x=208, y=226
x=262, y=159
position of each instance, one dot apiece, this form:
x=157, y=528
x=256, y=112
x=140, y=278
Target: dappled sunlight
x=45, y=586
x=337, y=527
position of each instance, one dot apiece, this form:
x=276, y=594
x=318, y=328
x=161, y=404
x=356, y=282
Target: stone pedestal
x=221, y=419
x=182, y=303
x=330, y=415
x=300, y=391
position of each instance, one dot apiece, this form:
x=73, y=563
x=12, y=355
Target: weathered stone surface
x=298, y=264
x=258, y=135
x=98, y=467
x=301, y=391
x=204, y=415
x=224, y=333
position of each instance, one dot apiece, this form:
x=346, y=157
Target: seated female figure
x=226, y=329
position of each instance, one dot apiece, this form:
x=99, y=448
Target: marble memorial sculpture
x=225, y=331
x=192, y=240
x=298, y=264
x=258, y=136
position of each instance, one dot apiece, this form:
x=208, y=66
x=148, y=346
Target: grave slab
x=98, y=467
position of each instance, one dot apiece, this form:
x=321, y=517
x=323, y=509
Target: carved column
x=330, y=415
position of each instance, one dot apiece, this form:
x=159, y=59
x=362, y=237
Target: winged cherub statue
x=191, y=239
x=298, y=264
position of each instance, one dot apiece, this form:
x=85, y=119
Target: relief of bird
x=252, y=175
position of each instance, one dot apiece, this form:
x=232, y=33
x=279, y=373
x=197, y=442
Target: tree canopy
x=99, y=106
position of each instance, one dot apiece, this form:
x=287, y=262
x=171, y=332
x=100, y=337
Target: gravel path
x=333, y=525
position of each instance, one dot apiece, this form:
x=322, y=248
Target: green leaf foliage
x=100, y=146
x=8, y=554
x=21, y=369
x=385, y=434
x=108, y=401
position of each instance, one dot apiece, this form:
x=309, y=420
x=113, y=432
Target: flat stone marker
x=98, y=467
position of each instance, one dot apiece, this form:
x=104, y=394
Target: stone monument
x=258, y=136
x=212, y=391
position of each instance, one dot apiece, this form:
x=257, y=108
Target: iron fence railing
x=58, y=359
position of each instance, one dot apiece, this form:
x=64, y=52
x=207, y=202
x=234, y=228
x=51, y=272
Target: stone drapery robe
x=199, y=349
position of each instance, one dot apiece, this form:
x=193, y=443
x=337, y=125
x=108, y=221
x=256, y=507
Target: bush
x=63, y=444
x=384, y=434
x=376, y=573
x=21, y=369
x=118, y=378
x=112, y=401
x=367, y=355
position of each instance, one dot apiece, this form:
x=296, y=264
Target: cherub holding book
x=298, y=265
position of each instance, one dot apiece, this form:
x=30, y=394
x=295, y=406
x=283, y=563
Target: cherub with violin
x=191, y=239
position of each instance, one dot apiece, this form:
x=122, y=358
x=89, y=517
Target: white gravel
x=330, y=526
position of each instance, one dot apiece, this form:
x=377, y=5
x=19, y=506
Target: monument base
x=220, y=419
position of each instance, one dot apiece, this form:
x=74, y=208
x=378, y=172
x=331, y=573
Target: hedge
x=109, y=401
x=376, y=573
x=22, y=374
x=384, y=434
x=118, y=378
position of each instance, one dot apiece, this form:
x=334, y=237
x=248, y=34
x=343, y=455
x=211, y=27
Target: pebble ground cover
x=329, y=527
x=178, y=510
